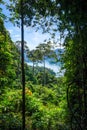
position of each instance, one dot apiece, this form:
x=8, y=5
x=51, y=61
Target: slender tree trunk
x=33, y=67
x=22, y=65
x=44, y=82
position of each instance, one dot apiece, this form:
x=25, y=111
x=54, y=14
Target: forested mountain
x=43, y=103
x=51, y=103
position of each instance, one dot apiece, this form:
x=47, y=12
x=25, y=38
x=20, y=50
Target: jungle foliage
x=46, y=103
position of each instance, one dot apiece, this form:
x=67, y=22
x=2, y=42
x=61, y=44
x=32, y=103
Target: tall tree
x=46, y=51
x=34, y=56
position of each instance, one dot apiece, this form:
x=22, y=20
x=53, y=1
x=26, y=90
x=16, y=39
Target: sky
x=32, y=37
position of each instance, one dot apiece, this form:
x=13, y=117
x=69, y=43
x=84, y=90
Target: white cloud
x=34, y=38
x=54, y=67
x=17, y=36
x=10, y=31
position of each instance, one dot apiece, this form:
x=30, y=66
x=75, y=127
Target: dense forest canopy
x=51, y=103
